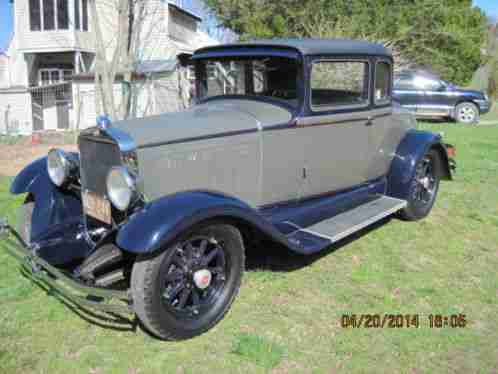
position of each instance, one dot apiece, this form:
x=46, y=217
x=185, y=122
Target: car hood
x=213, y=118
x=464, y=91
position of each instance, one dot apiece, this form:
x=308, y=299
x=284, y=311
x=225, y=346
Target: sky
x=489, y=6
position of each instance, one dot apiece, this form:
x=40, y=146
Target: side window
x=429, y=84
x=404, y=82
x=382, y=83
x=339, y=84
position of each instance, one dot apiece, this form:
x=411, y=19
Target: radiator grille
x=97, y=156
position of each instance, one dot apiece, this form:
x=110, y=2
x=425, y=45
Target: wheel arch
x=463, y=100
x=162, y=221
x=411, y=148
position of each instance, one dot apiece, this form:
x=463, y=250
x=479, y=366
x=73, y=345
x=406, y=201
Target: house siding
x=15, y=112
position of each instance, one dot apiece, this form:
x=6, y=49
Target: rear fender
x=162, y=220
x=53, y=206
x=411, y=149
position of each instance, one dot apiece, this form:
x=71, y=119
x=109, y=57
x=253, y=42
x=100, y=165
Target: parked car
x=428, y=96
x=293, y=141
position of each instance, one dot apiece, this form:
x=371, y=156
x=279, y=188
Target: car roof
x=309, y=46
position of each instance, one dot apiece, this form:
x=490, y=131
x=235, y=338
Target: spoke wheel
x=188, y=287
x=195, y=276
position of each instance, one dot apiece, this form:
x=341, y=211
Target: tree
x=443, y=35
x=133, y=27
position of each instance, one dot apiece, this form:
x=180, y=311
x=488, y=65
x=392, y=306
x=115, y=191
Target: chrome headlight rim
x=121, y=196
x=60, y=167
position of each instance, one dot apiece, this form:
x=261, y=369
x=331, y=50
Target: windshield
x=268, y=77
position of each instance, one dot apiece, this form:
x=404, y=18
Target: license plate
x=97, y=207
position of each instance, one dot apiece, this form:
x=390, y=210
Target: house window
x=34, y=15
x=81, y=15
x=77, y=14
x=84, y=8
x=52, y=76
x=48, y=15
x=62, y=15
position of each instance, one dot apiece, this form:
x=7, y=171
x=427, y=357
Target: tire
x=24, y=220
x=159, y=283
x=467, y=113
x=423, y=192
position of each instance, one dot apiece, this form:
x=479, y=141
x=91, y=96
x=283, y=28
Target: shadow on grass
x=266, y=256
x=274, y=257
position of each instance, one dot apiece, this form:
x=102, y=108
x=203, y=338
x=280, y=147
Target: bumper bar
x=39, y=270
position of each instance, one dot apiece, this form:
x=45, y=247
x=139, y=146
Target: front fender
x=413, y=146
x=52, y=205
x=162, y=220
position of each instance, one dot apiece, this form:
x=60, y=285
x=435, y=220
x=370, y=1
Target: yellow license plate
x=97, y=207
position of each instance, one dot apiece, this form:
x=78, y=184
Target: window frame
x=330, y=108
x=389, y=99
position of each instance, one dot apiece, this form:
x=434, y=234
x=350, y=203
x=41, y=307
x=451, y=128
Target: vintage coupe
x=292, y=141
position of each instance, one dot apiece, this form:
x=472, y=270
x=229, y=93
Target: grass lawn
x=287, y=315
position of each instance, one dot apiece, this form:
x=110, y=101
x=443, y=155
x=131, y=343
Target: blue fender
x=413, y=146
x=52, y=205
x=162, y=220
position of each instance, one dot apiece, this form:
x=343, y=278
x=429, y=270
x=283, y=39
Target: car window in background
x=382, y=83
x=404, y=82
x=428, y=84
x=339, y=84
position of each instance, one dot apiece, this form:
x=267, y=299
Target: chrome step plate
x=336, y=228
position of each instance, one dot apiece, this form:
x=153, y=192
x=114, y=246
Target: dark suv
x=428, y=96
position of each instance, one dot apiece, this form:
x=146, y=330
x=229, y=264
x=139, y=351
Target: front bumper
x=484, y=106
x=40, y=271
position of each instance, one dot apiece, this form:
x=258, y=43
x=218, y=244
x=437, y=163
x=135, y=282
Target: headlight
x=60, y=166
x=486, y=97
x=120, y=187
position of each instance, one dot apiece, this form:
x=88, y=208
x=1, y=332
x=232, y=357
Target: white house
x=53, y=42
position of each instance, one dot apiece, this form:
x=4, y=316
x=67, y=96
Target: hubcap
x=466, y=114
x=194, y=276
x=202, y=279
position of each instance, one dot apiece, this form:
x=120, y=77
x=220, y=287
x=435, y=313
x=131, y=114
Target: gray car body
x=265, y=153
x=236, y=147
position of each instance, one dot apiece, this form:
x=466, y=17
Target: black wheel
x=187, y=289
x=424, y=187
x=467, y=113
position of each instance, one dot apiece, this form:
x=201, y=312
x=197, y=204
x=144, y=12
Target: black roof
x=307, y=46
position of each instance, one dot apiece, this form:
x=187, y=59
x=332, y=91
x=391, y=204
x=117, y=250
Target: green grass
x=287, y=315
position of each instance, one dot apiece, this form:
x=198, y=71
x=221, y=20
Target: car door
x=334, y=134
x=436, y=100
x=406, y=93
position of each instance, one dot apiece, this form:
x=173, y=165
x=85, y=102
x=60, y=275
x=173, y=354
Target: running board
x=313, y=238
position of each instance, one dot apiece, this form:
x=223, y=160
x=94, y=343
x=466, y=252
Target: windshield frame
x=254, y=53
